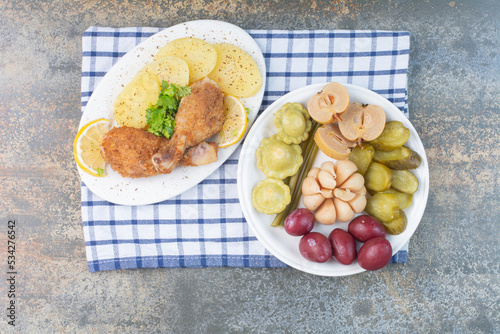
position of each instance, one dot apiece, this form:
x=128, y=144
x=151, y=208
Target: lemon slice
x=236, y=121
x=86, y=147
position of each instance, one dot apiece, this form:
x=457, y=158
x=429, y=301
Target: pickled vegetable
x=315, y=247
x=278, y=159
x=299, y=222
x=310, y=150
x=400, y=158
x=378, y=177
x=375, y=254
x=365, y=227
x=293, y=123
x=404, y=199
x=362, y=122
x=404, y=181
x=362, y=157
x=270, y=196
x=343, y=246
x=398, y=225
x=326, y=106
x=383, y=206
x=394, y=135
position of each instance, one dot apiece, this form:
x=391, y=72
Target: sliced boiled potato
x=171, y=69
x=129, y=108
x=236, y=72
x=200, y=56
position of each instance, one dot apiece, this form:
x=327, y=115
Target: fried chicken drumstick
x=138, y=153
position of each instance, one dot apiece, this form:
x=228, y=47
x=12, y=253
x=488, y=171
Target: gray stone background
x=451, y=281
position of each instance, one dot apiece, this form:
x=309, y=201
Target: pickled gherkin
x=398, y=225
x=395, y=134
x=404, y=181
x=362, y=157
x=400, y=158
x=383, y=206
x=378, y=177
x=404, y=199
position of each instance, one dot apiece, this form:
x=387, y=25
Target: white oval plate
x=275, y=239
x=127, y=191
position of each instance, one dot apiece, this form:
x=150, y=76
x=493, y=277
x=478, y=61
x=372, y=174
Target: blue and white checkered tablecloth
x=205, y=227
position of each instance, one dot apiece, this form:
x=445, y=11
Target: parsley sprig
x=161, y=116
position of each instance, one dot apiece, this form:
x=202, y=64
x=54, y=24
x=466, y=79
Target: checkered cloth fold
x=204, y=226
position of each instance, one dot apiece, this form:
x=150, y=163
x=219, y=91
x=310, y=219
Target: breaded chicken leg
x=129, y=151
x=200, y=116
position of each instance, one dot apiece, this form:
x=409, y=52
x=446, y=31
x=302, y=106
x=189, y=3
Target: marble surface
x=451, y=280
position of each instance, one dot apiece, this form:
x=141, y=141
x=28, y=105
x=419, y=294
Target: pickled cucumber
x=383, y=206
x=404, y=181
x=395, y=134
x=404, y=199
x=398, y=225
x=362, y=157
x=400, y=158
x=378, y=177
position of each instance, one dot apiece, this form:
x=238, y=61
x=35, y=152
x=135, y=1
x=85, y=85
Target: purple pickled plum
x=365, y=227
x=375, y=254
x=299, y=222
x=343, y=246
x=315, y=247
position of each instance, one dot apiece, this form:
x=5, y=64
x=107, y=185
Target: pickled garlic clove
x=310, y=186
x=312, y=202
x=326, y=213
x=345, y=195
x=329, y=166
x=355, y=182
x=327, y=193
x=344, y=169
x=313, y=172
x=344, y=211
x=358, y=203
x=326, y=180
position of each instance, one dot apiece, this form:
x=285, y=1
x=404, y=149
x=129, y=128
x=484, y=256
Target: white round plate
x=140, y=191
x=275, y=239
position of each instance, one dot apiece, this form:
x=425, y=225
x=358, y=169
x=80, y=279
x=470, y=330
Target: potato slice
x=129, y=108
x=200, y=56
x=171, y=69
x=236, y=72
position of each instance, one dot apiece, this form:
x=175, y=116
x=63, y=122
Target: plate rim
x=245, y=207
x=245, y=41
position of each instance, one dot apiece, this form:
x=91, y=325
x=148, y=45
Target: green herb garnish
x=161, y=116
